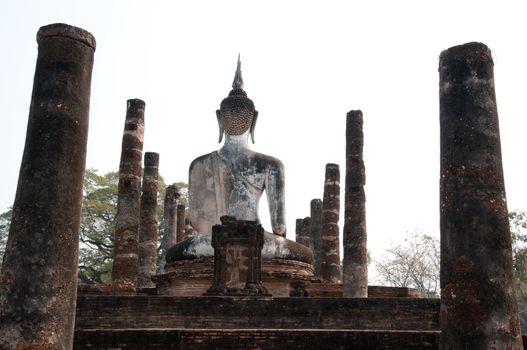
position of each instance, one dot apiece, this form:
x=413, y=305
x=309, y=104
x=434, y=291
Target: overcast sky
x=305, y=65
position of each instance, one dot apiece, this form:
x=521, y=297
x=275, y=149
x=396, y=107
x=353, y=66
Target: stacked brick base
x=160, y=322
x=241, y=339
x=192, y=323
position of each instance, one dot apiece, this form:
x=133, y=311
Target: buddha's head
x=237, y=115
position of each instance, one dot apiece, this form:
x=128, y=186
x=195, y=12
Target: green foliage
x=415, y=264
x=99, y=207
x=183, y=191
x=418, y=260
x=182, y=188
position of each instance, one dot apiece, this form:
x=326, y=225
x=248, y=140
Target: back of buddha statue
x=209, y=186
x=230, y=181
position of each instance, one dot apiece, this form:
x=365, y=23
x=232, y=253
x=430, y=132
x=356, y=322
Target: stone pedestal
x=237, y=258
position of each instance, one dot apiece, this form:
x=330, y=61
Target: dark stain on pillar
x=329, y=242
x=180, y=222
x=170, y=222
x=478, y=304
x=316, y=227
x=189, y=230
x=148, y=226
x=355, y=262
x=125, y=258
x=38, y=279
x=303, y=231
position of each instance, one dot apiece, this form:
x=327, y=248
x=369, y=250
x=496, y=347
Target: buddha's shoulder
x=203, y=160
x=268, y=160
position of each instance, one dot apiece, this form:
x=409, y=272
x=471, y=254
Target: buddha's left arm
x=275, y=190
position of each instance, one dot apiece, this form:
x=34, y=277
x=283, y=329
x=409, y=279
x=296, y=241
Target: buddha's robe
x=233, y=186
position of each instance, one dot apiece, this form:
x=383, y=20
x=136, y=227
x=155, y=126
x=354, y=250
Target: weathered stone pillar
x=306, y=223
x=298, y=230
x=355, y=262
x=189, y=230
x=170, y=223
x=180, y=222
x=171, y=197
x=329, y=242
x=148, y=225
x=38, y=280
x=303, y=231
x=316, y=228
x=478, y=305
x=125, y=256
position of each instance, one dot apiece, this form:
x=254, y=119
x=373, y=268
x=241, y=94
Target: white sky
x=305, y=65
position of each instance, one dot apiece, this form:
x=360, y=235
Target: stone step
x=120, y=312
x=262, y=339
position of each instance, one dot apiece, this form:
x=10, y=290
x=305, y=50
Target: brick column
x=148, y=224
x=180, y=222
x=478, y=304
x=38, y=280
x=125, y=257
x=298, y=230
x=303, y=231
x=316, y=227
x=329, y=242
x=170, y=223
x=355, y=263
x=189, y=230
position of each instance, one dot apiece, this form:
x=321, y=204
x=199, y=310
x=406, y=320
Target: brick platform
x=262, y=339
x=120, y=312
x=194, y=323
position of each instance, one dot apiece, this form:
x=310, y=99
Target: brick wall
x=278, y=313
x=236, y=339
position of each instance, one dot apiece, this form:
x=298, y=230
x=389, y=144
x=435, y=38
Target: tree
x=99, y=206
x=415, y=264
x=183, y=193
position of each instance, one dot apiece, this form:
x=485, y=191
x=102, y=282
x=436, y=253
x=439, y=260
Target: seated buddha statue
x=231, y=181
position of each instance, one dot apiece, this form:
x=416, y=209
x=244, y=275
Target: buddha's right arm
x=275, y=190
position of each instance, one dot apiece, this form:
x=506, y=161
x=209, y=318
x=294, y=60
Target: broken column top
x=135, y=103
x=65, y=30
x=465, y=52
x=151, y=159
x=356, y=116
x=317, y=202
x=172, y=191
x=331, y=168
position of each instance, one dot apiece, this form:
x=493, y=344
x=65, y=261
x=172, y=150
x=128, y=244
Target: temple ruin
x=226, y=283
x=126, y=238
